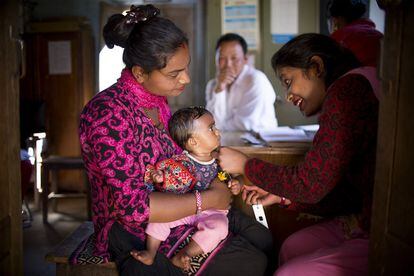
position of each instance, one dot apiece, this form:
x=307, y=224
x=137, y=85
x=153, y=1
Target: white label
x=260, y=215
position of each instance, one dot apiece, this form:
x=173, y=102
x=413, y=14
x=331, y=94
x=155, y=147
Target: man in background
x=240, y=97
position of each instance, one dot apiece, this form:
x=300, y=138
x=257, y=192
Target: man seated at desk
x=241, y=98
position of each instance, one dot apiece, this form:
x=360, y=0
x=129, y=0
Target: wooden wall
x=392, y=231
x=11, y=253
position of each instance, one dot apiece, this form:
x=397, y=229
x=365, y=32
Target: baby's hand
x=157, y=176
x=234, y=186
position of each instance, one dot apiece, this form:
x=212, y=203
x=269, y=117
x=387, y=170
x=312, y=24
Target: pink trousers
x=212, y=227
x=322, y=249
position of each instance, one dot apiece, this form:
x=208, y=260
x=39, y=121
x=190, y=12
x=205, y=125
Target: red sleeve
x=342, y=124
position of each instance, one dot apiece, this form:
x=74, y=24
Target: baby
x=193, y=129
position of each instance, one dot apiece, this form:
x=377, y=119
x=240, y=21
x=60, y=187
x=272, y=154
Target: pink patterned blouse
x=118, y=140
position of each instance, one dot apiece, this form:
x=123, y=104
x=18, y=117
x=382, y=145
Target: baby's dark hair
x=148, y=39
x=181, y=125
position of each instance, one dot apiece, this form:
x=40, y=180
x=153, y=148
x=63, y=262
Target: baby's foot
x=144, y=256
x=181, y=260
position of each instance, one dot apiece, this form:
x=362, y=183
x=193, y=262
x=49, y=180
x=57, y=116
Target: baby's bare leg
x=147, y=256
x=182, y=258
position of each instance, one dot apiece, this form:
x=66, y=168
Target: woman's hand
x=255, y=195
x=232, y=161
x=225, y=78
x=235, y=186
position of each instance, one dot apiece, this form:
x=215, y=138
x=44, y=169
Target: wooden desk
x=52, y=165
x=281, y=153
x=281, y=222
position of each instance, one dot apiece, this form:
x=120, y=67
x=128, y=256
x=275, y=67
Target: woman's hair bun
x=118, y=28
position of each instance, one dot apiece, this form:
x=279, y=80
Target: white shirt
x=248, y=105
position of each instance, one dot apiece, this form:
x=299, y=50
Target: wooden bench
x=60, y=256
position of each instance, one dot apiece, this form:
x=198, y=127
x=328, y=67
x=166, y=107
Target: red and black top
x=336, y=176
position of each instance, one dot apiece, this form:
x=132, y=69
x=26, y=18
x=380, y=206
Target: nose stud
x=289, y=98
x=181, y=81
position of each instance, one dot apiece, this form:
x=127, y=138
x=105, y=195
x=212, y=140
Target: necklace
x=153, y=116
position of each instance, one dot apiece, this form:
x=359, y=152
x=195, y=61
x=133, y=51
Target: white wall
x=377, y=15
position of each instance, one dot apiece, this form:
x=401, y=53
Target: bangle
x=198, y=201
x=283, y=201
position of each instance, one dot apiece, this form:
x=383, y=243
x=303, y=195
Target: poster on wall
x=59, y=56
x=284, y=20
x=242, y=17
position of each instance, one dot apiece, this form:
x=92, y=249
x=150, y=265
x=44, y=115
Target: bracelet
x=198, y=201
x=283, y=201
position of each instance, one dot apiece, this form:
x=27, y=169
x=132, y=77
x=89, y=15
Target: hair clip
x=136, y=14
x=131, y=17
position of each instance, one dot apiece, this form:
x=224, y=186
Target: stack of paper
x=310, y=128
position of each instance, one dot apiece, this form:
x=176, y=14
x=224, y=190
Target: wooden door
x=392, y=234
x=11, y=261
x=60, y=74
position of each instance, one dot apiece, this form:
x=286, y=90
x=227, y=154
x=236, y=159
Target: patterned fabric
x=84, y=253
x=206, y=173
x=177, y=175
x=182, y=173
x=117, y=142
x=337, y=175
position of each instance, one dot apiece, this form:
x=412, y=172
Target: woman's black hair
x=299, y=51
x=232, y=37
x=181, y=123
x=350, y=10
x=148, y=40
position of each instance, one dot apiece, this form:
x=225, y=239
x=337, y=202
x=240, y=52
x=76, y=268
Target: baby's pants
x=212, y=228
